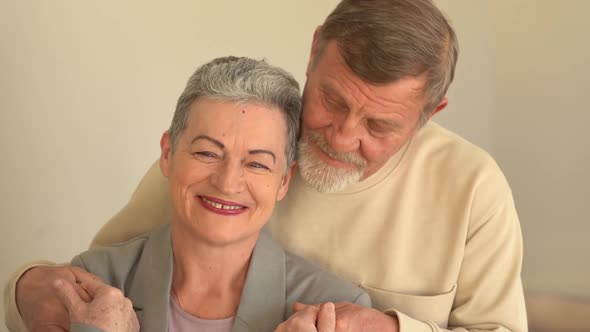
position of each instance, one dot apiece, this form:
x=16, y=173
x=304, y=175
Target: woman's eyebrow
x=210, y=139
x=222, y=146
x=261, y=151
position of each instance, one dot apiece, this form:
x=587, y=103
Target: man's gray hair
x=383, y=41
x=242, y=80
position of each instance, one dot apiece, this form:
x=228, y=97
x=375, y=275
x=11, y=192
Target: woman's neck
x=207, y=278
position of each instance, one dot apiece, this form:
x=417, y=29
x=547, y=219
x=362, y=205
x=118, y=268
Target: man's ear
x=285, y=182
x=443, y=103
x=313, y=53
x=165, y=153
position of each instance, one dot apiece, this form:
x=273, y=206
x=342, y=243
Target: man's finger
x=81, y=274
x=327, y=318
x=68, y=295
x=82, y=293
x=298, y=306
x=89, y=282
x=309, y=315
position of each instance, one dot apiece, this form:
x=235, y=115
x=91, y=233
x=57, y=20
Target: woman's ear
x=165, y=153
x=285, y=182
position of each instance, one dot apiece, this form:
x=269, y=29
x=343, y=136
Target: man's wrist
x=12, y=315
x=22, y=272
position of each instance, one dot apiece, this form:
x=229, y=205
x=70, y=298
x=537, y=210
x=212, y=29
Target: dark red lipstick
x=221, y=207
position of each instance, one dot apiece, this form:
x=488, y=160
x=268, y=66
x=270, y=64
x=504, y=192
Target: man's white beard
x=323, y=177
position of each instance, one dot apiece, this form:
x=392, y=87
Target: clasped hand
x=76, y=296
x=337, y=317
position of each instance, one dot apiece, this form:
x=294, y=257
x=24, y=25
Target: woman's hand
x=350, y=317
x=310, y=318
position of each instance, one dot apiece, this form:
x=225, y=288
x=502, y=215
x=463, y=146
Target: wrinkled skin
x=352, y=317
x=310, y=318
x=108, y=309
x=40, y=307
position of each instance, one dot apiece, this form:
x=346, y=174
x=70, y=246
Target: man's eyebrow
x=330, y=89
x=260, y=151
x=210, y=139
x=388, y=122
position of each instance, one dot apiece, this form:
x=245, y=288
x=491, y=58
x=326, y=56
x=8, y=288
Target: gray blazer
x=142, y=269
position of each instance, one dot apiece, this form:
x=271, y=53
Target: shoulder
x=448, y=159
x=308, y=283
x=439, y=146
x=460, y=171
x=114, y=263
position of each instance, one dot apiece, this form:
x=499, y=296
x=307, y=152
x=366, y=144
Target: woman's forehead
x=224, y=120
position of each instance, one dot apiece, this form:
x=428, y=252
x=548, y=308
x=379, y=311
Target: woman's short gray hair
x=242, y=80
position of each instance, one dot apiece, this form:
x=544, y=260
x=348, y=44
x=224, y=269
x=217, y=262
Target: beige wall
x=542, y=83
x=471, y=96
x=86, y=88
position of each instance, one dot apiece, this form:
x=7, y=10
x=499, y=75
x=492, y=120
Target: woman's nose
x=229, y=178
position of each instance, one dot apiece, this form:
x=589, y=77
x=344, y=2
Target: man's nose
x=345, y=134
x=229, y=178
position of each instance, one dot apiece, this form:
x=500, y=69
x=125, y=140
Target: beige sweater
x=433, y=237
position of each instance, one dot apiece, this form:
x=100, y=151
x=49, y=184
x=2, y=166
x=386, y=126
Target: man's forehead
x=405, y=89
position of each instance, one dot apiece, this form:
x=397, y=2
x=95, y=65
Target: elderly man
x=417, y=216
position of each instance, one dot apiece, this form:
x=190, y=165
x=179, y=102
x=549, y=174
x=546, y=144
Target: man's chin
x=328, y=179
x=322, y=175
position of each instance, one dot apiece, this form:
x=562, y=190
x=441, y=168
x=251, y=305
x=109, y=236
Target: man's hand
x=108, y=309
x=37, y=302
x=310, y=318
x=352, y=317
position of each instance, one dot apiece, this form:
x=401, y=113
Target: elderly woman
x=228, y=157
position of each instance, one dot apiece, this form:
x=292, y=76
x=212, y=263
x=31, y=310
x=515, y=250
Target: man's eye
x=381, y=127
x=332, y=104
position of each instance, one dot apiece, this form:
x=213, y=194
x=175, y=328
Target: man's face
x=350, y=128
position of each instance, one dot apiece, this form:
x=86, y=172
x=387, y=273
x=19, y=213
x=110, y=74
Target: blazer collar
x=262, y=303
x=149, y=290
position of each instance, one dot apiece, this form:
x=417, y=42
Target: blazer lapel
x=262, y=304
x=149, y=289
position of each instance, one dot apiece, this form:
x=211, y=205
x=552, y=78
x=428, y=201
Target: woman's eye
x=205, y=154
x=259, y=166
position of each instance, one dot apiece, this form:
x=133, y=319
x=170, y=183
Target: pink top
x=179, y=321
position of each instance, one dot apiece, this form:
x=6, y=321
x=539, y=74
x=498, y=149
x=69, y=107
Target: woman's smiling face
x=227, y=170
